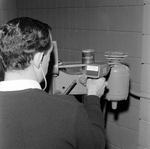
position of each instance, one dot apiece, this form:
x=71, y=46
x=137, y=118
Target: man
x=30, y=118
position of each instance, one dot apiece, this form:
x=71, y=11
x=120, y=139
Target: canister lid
x=88, y=50
x=114, y=57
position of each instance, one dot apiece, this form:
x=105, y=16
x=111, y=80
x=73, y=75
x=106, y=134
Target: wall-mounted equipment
x=118, y=81
x=70, y=77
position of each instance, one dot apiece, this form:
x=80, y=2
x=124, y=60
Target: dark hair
x=20, y=39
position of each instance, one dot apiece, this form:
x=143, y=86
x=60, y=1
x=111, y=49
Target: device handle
x=55, y=59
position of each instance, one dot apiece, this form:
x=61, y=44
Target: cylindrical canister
x=88, y=56
x=118, y=83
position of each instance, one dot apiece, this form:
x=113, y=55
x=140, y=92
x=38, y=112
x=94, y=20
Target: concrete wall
x=7, y=10
x=144, y=124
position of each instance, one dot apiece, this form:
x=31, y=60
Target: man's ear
x=38, y=58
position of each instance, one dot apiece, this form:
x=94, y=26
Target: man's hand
x=96, y=86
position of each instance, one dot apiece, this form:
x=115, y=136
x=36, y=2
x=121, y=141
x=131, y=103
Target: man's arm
x=93, y=109
x=89, y=125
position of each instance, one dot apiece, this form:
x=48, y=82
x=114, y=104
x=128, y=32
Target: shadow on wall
x=122, y=106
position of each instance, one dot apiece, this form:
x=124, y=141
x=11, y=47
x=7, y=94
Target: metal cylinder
x=88, y=56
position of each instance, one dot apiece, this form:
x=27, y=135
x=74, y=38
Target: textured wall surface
x=7, y=10
x=144, y=124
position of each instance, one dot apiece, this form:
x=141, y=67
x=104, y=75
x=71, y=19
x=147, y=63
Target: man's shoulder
x=64, y=100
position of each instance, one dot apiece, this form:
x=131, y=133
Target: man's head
x=25, y=43
x=20, y=40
